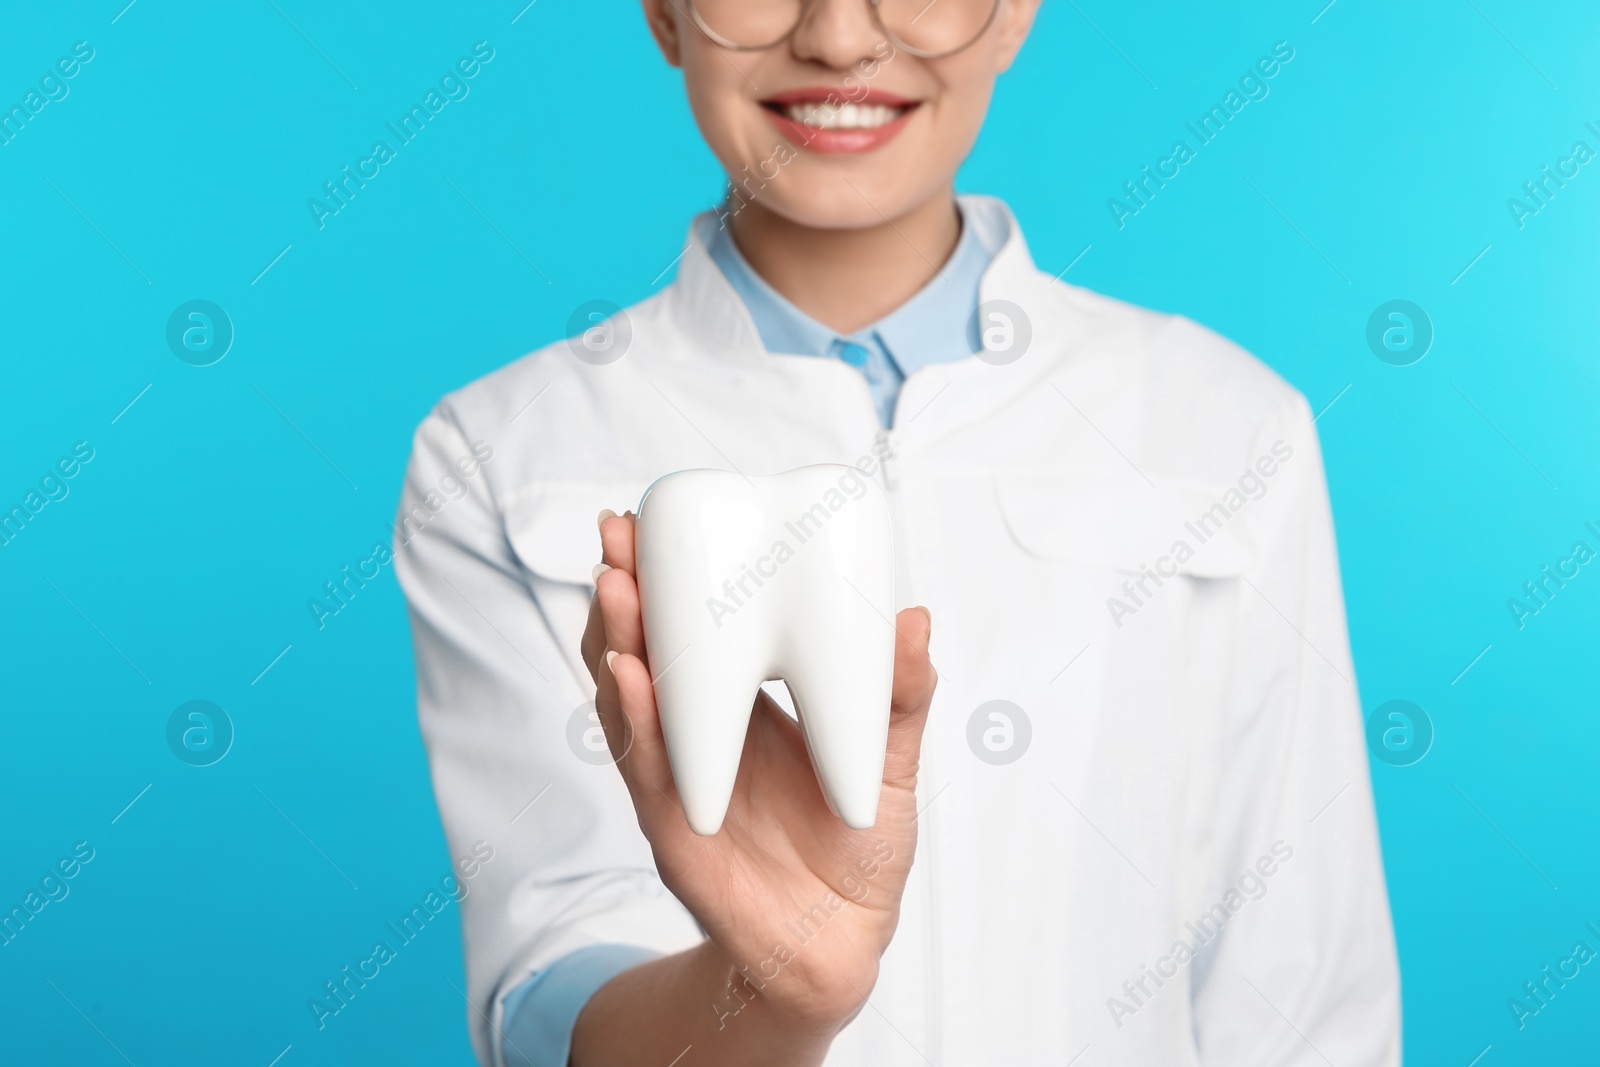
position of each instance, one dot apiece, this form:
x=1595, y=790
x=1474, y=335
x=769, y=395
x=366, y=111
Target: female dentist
x=1133, y=825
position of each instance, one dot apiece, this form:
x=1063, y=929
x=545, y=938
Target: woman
x=1134, y=823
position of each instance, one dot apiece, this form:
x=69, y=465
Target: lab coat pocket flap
x=552, y=527
x=1126, y=524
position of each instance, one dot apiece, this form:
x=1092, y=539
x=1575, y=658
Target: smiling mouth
x=818, y=120
x=845, y=116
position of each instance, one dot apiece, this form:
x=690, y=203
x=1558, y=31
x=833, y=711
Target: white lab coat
x=1196, y=771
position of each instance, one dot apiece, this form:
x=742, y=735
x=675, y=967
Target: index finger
x=616, y=540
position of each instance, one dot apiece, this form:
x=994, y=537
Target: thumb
x=914, y=681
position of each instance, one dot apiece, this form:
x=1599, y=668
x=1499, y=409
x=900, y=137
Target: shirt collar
x=938, y=323
x=783, y=327
x=708, y=312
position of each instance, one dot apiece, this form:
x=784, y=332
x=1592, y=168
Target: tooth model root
x=780, y=576
x=832, y=703
x=705, y=731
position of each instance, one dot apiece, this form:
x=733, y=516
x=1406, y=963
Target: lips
x=826, y=121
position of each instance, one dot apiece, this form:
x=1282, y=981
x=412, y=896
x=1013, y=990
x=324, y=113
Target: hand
x=796, y=905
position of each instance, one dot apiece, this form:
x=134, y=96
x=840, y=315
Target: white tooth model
x=746, y=580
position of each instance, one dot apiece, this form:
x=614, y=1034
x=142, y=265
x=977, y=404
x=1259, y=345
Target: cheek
x=734, y=126
x=927, y=154
x=966, y=84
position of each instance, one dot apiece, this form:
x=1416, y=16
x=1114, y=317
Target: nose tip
x=836, y=33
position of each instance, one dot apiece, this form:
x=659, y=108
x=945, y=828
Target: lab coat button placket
x=885, y=447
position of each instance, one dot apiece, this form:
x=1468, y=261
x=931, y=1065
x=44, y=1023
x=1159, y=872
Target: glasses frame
x=877, y=16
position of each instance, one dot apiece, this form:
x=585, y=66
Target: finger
x=914, y=675
x=593, y=645
x=914, y=681
x=644, y=764
x=608, y=706
x=616, y=540
x=618, y=597
x=621, y=629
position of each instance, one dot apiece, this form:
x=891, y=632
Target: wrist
x=775, y=995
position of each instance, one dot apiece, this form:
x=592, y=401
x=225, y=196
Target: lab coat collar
x=711, y=315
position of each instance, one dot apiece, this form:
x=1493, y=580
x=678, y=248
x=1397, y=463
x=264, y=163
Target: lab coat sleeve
x=1304, y=971
x=497, y=688
x=541, y=1013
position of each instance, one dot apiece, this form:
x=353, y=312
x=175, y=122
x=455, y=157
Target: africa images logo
x=452, y=87
x=1140, y=191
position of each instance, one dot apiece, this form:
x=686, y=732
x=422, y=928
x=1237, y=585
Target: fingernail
x=929, y=614
x=599, y=569
x=605, y=513
x=611, y=657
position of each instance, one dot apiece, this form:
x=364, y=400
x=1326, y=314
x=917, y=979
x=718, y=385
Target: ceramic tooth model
x=744, y=580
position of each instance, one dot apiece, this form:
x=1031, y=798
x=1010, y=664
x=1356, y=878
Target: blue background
x=181, y=563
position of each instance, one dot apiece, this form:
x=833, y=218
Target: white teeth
x=825, y=116
x=746, y=580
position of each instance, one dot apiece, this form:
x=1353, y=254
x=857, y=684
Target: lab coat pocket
x=552, y=530
x=1126, y=525
x=1137, y=592
x=552, y=527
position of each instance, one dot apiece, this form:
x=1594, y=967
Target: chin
x=818, y=195
x=835, y=208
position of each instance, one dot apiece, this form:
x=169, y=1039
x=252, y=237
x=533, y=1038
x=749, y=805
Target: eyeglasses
x=930, y=29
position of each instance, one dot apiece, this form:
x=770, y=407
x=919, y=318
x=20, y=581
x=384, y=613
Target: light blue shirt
x=937, y=324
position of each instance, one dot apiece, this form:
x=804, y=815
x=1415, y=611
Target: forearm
x=656, y=1011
